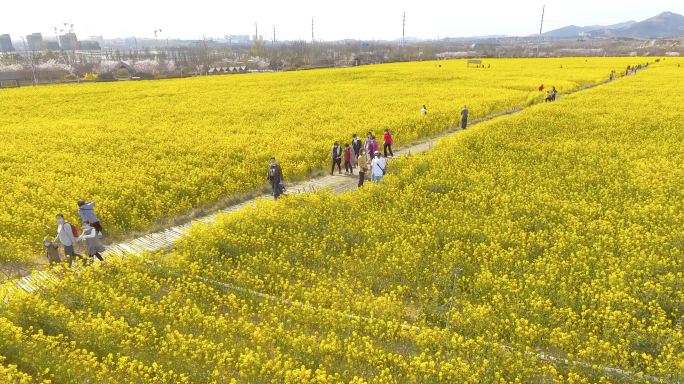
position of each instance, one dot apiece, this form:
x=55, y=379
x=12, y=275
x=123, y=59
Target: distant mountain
x=667, y=24
x=573, y=30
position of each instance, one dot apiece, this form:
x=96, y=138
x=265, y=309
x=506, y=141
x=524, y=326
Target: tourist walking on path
x=356, y=148
x=378, y=166
x=51, y=251
x=347, y=159
x=368, y=146
x=92, y=243
x=66, y=235
x=464, y=117
x=363, y=166
x=387, y=142
x=423, y=111
x=336, y=155
x=275, y=177
x=87, y=213
x=611, y=76
x=372, y=146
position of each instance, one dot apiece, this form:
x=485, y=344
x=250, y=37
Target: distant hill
x=667, y=24
x=573, y=30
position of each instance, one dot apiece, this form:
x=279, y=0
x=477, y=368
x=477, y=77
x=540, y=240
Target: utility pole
x=275, y=61
x=403, y=30
x=540, y=29
x=312, y=32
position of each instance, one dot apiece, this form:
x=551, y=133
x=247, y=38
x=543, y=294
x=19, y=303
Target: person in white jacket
x=378, y=165
x=93, y=244
x=65, y=236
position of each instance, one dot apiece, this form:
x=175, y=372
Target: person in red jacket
x=348, y=153
x=388, y=143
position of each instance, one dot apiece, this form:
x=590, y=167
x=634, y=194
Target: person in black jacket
x=275, y=177
x=356, y=147
x=336, y=155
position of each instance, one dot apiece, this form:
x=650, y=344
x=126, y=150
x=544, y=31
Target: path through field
x=337, y=183
x=165, y=240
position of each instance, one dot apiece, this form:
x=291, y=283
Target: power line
x=540, y=29
x=403, y=30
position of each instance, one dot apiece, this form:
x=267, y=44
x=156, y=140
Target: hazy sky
x=351, y=18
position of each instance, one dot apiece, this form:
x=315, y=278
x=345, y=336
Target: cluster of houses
x=222, y=70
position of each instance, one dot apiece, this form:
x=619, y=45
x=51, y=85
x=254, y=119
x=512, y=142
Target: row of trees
x=262, y=56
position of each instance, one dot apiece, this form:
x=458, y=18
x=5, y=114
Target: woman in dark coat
x=275, y=177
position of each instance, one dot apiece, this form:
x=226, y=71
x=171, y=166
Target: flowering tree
x=263, y=64
x=106, y=67
x=170, y=66
x=146, y=66
x=11, y=67
x=456, y=55
x=53, y=65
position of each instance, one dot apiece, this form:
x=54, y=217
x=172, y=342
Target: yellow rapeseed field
x=541, y=247
x=146, y=150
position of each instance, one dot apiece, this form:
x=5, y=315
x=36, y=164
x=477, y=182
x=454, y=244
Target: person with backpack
x=93, y=244
x=336, y=155
x=387, y=142
x=347, y=159
x=51, y=251
x=275, y=177
x=363, y=166
x=378, y=166
x=67, y=235
x=87, y=213
x=464, y=117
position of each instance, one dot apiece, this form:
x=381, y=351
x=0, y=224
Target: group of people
x=635, y=68
x=67, y=236
x=464, y=116
x=550, y=95
x=359, y=155
x=365, y=156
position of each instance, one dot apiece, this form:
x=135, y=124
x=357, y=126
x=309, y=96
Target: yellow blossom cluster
x=543, y=247
x=556, y=231
x=147, y=150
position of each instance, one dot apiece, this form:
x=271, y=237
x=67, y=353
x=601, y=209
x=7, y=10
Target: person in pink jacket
x=371, y=146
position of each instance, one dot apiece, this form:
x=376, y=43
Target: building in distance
x=51, y=45
x=239, y=39
x=6, y=43
x=88, y=45
x=68, y=42
x=35, y=42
